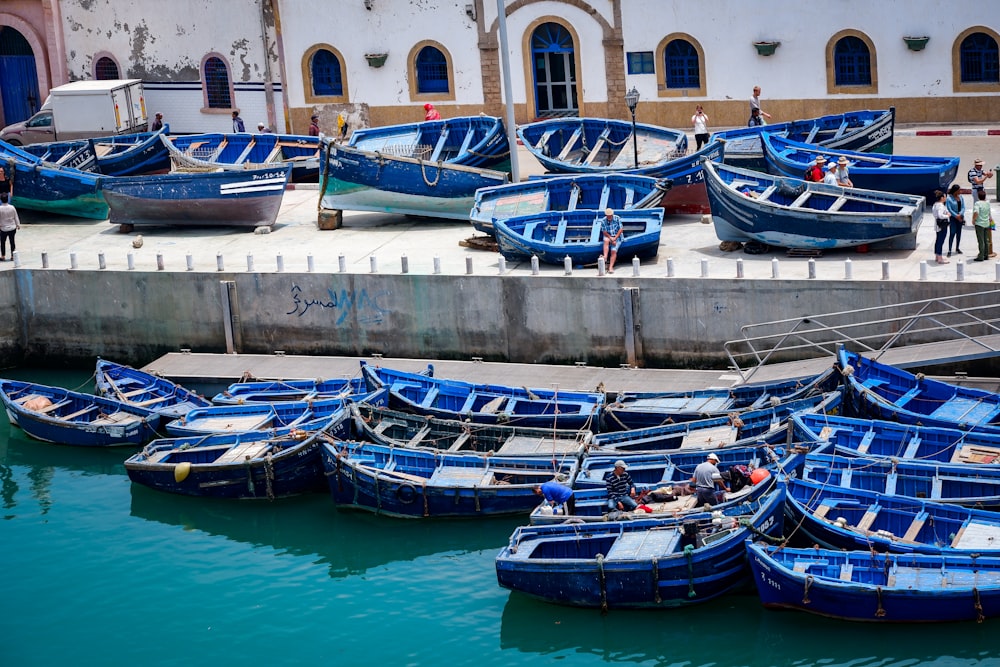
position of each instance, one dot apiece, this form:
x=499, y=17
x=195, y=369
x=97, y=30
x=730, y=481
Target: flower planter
x=766, y=48
x=376, y=59
x=916, y=43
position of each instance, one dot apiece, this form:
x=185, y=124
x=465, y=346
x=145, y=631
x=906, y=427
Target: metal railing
x=936, y=324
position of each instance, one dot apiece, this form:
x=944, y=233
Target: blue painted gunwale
x=131, y=154
x=420, y=483
x=791, y=213
x=77, y=419
x=145, y=390
x=880, y=391
x=877, y=588
x=593, y=192
x=637, y=564
x=905, y=174
x=554, y=235
x=274, y=391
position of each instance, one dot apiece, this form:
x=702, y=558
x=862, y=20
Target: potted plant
x=376, y=59
x=916, y=43
x=766, y=48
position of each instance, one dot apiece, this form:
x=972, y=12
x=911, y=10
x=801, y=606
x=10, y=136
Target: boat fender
x=406, y=493
x=181, y=471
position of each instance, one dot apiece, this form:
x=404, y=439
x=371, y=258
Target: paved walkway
x=376, y=242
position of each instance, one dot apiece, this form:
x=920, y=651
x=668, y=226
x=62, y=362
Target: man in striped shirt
x=621, y=489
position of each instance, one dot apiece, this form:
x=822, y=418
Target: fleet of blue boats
x=865, y=493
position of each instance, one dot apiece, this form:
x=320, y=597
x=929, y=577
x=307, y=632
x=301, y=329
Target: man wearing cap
x=830, y=178
x=157, y=124
x=621, y=489
x=705, y=478
x=314, y=126
x=977, y=178
x=611, y=230
x=817, y=170
x=264, y=129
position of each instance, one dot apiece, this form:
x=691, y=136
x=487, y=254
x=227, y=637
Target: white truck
x=81, y=110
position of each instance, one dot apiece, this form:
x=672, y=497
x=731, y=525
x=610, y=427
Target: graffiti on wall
x=362, y=306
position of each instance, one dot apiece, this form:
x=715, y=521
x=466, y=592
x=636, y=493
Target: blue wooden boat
x=131, y=154
x=307, y=414
x=241, y=151
x=43, y=186
x=473, y=141
x=358, y=180
x=869, y=437
x=385, y=426
x=258, y=464
x=879, y=391
x=275, y=391
x=248, y=198
x=592, y=192
x=789, y=213
x=733, y=429
x=554, y=235
x=145, y=390
x=75, y=154
x=484, y=403
x=54, y=414
x=642, y=563
x=953, y=483
x=417, y=483
x=840, y=518
x=878, y=588
x=647, y=409
x=906, y=174
x=601, y=145
x=865, y=131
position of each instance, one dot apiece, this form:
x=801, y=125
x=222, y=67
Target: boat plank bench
x=231, y=423
x=24, y=399
x=639, y=545
x=976, y=454
x=80, y=413
x=457, y=476
x=519, y=445
x=244, y=451
x=49, y=408
x=117, y=418
x=977, y=535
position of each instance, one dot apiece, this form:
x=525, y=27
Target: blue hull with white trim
x=248, y=198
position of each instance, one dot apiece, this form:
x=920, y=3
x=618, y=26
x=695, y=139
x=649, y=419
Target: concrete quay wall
x=134, y=316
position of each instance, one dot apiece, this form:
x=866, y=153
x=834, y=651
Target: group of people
x=950, y=216
x=699, y=120
x=830, y=172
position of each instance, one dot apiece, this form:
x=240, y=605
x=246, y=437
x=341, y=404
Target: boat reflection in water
x=349, y=543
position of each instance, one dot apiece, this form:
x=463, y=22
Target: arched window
x=680, y=61
x=980, y=59
x=105, y=68
x=326, y=76
x=217, y=84
x=432, y=71
x=852, y=62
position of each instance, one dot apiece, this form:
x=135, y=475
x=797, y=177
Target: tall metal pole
x=508, y=94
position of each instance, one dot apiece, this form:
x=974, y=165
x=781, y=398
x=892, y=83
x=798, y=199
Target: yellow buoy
x=182, y=471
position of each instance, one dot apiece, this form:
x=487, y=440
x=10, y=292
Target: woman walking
x=9, y=224
x=941, y=225
x=956, y=217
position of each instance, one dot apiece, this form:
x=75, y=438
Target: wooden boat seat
x=907, y=397
x=822, y=511
x=644, y=544
x=80, y=413
x=245, y=450
x=709, y=437
x=459, y=442
x=151, y=401
x=134, y=392
x=866, y=442
x=803, y=565
x=494, y=405
x=873, y=383
x=914, y=530
x=543, y=140
x=49, y=408
x=385, y=424
x=869, y=518
x=568, y=146
x=24, y=399
x=116, y=418
x=977, y=535
x=768, y=191
x=846, y=572
x=419, y=436
x=801, y=199
x=912, y=447
x=459, y=476
x=231, y=423
x=836, y=206
x=967, y=410
x=429, y=397
x=598, y=145
x=976, y=454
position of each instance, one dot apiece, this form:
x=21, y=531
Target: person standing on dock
x=700, y=122
x=238, y=125
x=314, y=126
x=956, y=217
x=9, y=224
x=4, y=182
x=977, y=178
x=940, y=212
x=982, y=218
x=157, y=124
x=621, y=488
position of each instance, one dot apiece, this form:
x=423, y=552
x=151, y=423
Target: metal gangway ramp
x=917, y=333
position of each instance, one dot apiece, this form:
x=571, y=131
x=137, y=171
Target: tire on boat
x=406, y=493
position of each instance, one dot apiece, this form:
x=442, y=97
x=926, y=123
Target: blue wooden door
x=18, y=87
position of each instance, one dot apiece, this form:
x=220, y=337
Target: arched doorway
x=554, y=69
x=18, y=77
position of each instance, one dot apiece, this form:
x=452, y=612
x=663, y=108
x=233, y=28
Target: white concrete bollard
x=567, y=266
x=72, y=260
x=279, y=262
x=16, y=256
x=310, y=263
x=775, y=273
x=502, y=265
x=468, y=266
x=923, y=269
x=704, y=268
x=601, y=266
x=848, y=269
x=739, y=268
x=534, y=265
x=220, y=264
x=670, y=267
x=373, y=264
x=437, y=265
x=404, y=263
x=812, y=269
x=960, y=271
x=249, y=262
x=635, y=266
x=159, y=261
x=101, y=263
x=342, y=263
x=45, y=260
x=189, y=258
x=885, y=269
x=130, y=258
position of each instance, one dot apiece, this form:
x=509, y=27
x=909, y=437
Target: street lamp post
x=632, y=100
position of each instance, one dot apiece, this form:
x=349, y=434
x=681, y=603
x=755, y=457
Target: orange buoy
x=759, y=475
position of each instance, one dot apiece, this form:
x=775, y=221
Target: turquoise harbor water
x=99, y=572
